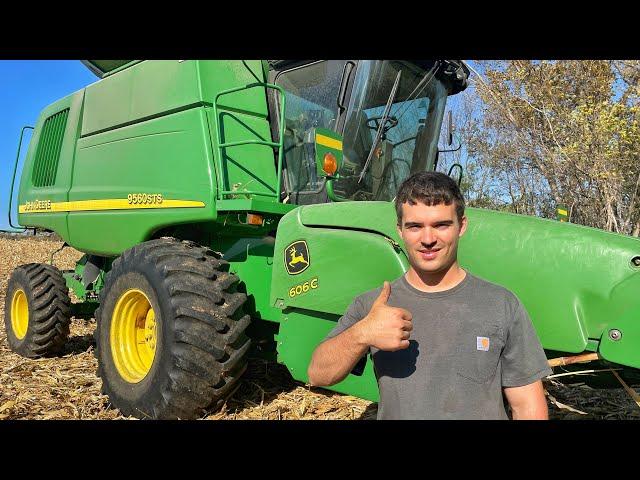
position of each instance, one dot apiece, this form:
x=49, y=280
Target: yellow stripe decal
x=329, y=142
x=562, y=212
x=44, y=206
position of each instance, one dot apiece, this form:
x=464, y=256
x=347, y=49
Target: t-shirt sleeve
x=523, y=358
x=354, y=314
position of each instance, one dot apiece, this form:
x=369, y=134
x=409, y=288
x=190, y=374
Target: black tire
x=200, y=341
x=47, y=298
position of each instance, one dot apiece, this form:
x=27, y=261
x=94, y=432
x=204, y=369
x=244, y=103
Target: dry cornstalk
x=584, y=358
x=628, y=389
x=580, y=372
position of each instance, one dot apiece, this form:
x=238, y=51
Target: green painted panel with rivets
x=300, y=333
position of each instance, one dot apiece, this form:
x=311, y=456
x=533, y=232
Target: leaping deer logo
x=295, y=258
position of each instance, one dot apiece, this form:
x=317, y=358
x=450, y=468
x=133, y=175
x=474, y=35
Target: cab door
x=317, y=94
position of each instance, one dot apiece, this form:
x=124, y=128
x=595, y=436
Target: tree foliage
x=538, y=134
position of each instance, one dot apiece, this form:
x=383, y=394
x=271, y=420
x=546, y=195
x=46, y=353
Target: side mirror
x=346, y=73
x=451, y=130
x=456, y=165
x=328, y=152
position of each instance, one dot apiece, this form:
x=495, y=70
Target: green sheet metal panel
x=621, y=337
x=169, y=155
x=161, y=86
x=59, y=189
x=154, y=87
x=377, y=217
x=301, y=331
x=107, y=102
x=255, y=204
x=565, y=274
x=339, y=263
x=148, y=88
x=218, y=75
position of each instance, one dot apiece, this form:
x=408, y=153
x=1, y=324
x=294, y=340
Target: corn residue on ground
x=66, y=387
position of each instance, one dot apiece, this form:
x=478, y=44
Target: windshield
x=407, y=139
x=312, y=91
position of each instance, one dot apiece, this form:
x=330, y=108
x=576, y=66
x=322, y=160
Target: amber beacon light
x=329, y=163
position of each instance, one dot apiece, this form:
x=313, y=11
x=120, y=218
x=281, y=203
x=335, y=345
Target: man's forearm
x=532, y=411
x=335, y=358
x=528, y=402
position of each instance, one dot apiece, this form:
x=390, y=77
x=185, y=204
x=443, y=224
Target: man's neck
x=436, y=281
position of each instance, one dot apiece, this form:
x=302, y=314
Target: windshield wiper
x=383, y=121
x=422, y=84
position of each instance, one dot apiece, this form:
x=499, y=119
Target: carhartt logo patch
x=483, y=344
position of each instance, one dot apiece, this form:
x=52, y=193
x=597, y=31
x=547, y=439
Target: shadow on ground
x=261, y=384
x=78, y=344
x=370, y=412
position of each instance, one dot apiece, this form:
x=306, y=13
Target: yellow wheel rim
x=19, y=314
x=133, y=335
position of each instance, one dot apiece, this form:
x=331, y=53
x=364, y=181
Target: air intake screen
x=45, y=167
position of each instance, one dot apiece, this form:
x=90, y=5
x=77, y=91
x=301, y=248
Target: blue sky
x=26, y=87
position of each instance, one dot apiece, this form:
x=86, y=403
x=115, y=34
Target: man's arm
x=333, y=359
x=528, y=401
x=524, y=364
x=384, y=327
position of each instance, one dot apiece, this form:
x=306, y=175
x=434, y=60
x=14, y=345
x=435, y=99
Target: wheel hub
x=133, y=335
x=19, y=314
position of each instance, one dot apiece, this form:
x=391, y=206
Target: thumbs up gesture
x=384, y=327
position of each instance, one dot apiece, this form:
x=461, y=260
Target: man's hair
x=430, y=188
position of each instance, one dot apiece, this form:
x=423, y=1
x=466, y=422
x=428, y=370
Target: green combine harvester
x=235, y=208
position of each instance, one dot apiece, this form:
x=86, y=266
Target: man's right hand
x=384, y=327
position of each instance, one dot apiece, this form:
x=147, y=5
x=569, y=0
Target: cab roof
x=102, y=68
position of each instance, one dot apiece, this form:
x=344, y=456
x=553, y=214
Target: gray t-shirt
x=467, y=343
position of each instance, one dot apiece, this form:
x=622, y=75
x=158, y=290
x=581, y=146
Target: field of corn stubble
x=66, y=387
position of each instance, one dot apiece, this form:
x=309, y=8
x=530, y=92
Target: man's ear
x=399, y=228
x=463, y=225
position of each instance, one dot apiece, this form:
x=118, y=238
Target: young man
x=445, y=344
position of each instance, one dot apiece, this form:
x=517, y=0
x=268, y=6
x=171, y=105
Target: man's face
x=431, y=235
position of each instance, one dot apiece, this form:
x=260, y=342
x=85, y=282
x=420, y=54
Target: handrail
x=331, y=194
x=279, y=144
x=13, y=178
